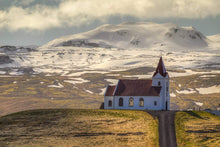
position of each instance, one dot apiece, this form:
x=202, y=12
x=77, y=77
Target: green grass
x=197, y=128
x=78, y=127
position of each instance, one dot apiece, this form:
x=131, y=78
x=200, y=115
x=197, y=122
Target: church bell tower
x=161, y=79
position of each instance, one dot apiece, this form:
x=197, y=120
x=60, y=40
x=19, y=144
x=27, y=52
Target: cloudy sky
x=35, y=22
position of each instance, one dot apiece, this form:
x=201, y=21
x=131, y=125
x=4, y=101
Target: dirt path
x=167, y=136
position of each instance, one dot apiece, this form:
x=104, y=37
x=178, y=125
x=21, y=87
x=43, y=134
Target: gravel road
x=167, y=136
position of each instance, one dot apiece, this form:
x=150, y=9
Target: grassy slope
x=197, y=128
x=72, y=127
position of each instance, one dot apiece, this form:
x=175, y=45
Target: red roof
x=136, y=88
x=160, y=68
x=110, y=90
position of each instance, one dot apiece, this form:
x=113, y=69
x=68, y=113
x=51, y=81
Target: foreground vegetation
x=197, y=128
x=69, y=127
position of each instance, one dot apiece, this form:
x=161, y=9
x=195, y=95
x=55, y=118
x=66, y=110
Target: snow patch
x=89, y=91
x=198, y=103
x=56, y=86
x=113, y=75
x=209, y=90
x=76, y=81
x=16, y=73
x=207, y=76
x=2, y=72
x=187, y=91
x=172, y=94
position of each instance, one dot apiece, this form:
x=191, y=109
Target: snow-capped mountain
x=214, y=41
x=135, y=35
x=117, y=47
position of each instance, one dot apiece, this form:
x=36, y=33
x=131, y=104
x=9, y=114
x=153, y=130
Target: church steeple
x=161, y=68
x=161, y=79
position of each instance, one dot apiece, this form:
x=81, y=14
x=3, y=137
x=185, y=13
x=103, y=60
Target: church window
x=110, y=103
x=121, y=102
x=159, y=83
x=155, y=103
x=141, y=102
x=131, y=102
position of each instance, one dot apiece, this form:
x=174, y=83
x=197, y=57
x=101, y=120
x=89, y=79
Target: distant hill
x=135, y=35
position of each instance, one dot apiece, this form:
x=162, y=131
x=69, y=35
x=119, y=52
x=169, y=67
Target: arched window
x=131, y=102
x=120, y=102
x=155, y=103
x=159, y=83
x=110, y=103
x=141, y=102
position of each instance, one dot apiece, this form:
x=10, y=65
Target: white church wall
x=164, y=83
x=148, y=102
x=106, y=102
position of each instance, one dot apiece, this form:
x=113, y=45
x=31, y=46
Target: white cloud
x=18, y=18
x=78, y=12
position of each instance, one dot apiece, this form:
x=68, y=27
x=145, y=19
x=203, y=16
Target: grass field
x=25, y=92
x=75, y=127
x=186, y=101
x=197, y=128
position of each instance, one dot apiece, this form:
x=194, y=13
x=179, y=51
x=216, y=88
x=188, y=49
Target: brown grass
x=197, y=128
x=68, y=127
x=186, y=101
x=29, y=93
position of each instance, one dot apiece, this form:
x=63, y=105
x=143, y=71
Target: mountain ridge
x=134, y=35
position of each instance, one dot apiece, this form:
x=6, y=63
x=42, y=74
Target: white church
x=140, y=94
